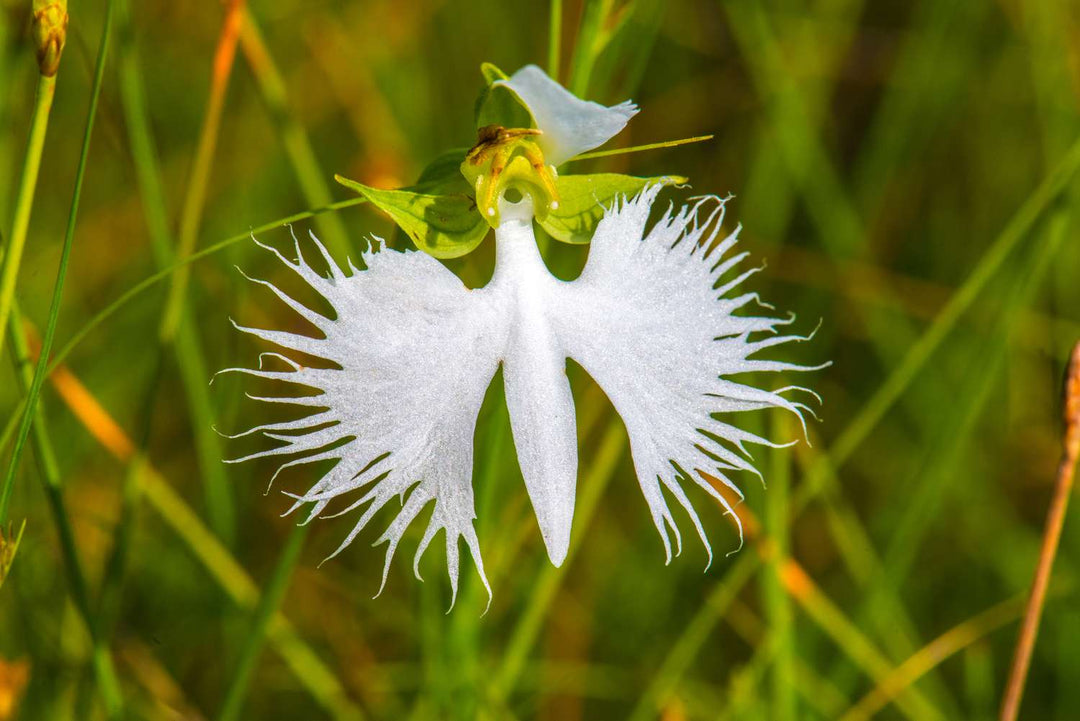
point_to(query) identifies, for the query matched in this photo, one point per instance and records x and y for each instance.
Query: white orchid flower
(653, 318)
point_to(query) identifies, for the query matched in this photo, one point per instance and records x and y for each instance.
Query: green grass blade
(554, 38)
(778, 610)
(195, 195)
(305, 164)
(919, 354)
(104, 672)
(271, 598)
(61, 274)
(587, 45)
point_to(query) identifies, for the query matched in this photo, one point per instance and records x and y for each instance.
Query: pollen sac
(505, 158)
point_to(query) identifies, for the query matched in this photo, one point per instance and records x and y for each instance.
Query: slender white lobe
(534, 371)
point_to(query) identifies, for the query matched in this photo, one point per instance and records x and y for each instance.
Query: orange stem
(1055, 519)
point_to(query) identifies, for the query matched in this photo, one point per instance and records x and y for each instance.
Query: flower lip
(570, 125)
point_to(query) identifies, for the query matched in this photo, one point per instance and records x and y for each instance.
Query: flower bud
(50, 33)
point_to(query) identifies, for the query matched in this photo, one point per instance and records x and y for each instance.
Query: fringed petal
(415, 352)
(645, 321)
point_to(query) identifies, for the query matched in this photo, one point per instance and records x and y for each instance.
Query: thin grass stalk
(11, 257)
(625, 46)
(940, 52)
(554, 57)
(640, 148)
(747, 679)
(817, 690)
(269, 602)
(851, 640)
(61, 273)
(826, 614)
(186, 345)
(806, 158)
(101, 659)
(1055, 520)
(778, 611)
(466, 626)
(307, 667)
(24, 202)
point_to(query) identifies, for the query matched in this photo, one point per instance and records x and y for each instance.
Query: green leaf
(584, 198)
(443, 174)
(497, 104)
(445, 226)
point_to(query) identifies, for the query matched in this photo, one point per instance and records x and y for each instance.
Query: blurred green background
(889, 161)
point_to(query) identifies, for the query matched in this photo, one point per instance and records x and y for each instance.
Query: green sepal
(497, 104)
(584, 198)
(444, 226)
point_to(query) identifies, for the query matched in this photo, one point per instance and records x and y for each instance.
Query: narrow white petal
(644, 320)
(570, 125)
(415, 352)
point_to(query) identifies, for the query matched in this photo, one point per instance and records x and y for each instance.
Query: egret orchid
(654, 318)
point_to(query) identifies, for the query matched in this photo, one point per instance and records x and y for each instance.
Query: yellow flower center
(505, 158)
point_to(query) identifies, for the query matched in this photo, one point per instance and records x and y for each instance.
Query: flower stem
(1055, 519)
(24, 201)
